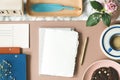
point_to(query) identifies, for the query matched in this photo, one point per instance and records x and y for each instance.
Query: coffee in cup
(115, 42)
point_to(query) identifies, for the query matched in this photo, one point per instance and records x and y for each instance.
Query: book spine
(10, 50)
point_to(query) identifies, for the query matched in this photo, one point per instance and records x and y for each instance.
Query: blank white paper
(14, 35)
(58, 50)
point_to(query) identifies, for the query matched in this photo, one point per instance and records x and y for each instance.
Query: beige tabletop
(93, 52)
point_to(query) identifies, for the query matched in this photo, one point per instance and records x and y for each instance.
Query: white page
(41, 39)
(59, 50)
(14, 35)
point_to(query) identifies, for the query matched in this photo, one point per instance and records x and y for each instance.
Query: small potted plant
(105, 10)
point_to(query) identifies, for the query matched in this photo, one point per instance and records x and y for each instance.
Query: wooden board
(93, 51)
(73, 3)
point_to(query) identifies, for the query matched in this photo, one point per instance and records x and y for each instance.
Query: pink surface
(93, 51)
(98, 64)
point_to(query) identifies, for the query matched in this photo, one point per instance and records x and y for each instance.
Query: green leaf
(93, 19)
(96, 5)
(106, 18)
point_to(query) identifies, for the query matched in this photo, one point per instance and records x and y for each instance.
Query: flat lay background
(87, 10)
(93, 52)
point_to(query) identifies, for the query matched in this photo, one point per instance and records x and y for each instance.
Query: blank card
(57, 51)
(14, 35)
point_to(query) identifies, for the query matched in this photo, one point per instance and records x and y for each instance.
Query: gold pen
(84, 50)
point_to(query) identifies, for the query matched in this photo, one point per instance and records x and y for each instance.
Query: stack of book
(12, 64)
(12, 60)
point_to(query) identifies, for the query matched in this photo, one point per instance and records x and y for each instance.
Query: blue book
(12, 67)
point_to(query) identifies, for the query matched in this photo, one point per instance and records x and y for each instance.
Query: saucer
(106, 36)
(101, 63)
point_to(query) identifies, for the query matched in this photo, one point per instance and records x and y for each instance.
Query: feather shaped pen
(43, 7)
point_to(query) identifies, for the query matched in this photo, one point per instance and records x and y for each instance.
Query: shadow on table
(78, 55)
(28, 67)
(115, 22)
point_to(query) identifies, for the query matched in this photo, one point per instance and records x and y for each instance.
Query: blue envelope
(13, 66)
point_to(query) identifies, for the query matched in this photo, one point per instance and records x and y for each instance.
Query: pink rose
(110, 7)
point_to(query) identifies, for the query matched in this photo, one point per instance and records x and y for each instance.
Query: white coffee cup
(109, 42)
